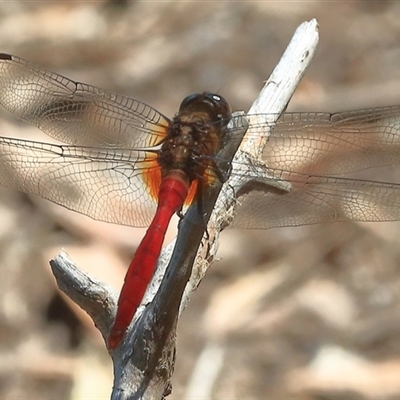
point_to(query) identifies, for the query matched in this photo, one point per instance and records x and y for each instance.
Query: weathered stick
(144, 362)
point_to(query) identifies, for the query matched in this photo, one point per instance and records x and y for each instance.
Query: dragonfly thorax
(195, 135)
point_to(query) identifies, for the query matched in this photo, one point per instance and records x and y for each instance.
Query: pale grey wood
(132, 380)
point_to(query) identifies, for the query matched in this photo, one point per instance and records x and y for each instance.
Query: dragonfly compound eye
(217, 108)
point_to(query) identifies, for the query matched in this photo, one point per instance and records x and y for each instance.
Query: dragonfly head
(216, 107)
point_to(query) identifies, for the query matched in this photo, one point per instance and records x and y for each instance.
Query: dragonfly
(121, 161)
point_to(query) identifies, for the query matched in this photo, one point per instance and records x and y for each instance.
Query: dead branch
(144, 362)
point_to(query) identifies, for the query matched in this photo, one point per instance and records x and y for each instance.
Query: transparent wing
(310, 150)
(105, 184)
(337, 143)
(76, 113)
(105, 178)
(314, 199)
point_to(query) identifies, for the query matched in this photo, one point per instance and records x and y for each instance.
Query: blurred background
(305, 313)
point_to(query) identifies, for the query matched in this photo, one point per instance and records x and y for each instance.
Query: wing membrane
(76, 113)
(104, 177)
(314, 199)
(334, 144)
(105, 184)
(312, 151)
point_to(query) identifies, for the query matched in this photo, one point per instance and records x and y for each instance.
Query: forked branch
(144, 362)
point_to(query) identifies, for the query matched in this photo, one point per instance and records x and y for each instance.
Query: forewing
(76, 113)
(334, 144)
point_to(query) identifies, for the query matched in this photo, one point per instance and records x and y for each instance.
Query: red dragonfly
(126, 163)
